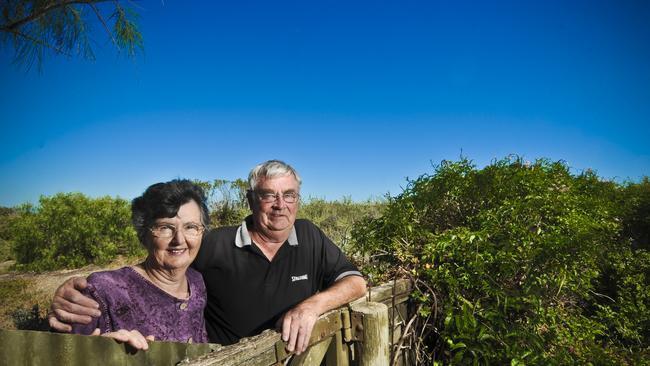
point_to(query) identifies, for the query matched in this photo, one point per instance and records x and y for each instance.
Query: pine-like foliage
(64, 27)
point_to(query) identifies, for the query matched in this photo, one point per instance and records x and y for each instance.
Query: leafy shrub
(30, 319)
(6, 214)
(624, 285)
(338, 218)
(226, 201)
(70, 230)
(635, 202)
(509, 262)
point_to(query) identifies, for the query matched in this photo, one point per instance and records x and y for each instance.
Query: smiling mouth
(176, 251)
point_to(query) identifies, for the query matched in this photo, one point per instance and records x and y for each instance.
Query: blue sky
(356, 95)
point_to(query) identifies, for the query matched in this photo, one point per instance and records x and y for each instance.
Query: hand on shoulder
(70, 306)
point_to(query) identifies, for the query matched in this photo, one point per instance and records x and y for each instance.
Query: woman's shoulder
(194, 276)
(197, 285)
(109, 287)
(113, 277)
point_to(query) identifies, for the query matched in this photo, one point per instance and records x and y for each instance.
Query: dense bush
(227, 202)
(72, 230)
(6, 214)
(338, 218)
(518, 263)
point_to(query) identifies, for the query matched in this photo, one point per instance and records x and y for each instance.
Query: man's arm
(71, 306)
(298, 322)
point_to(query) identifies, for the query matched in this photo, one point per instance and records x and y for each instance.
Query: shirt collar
(243, 238)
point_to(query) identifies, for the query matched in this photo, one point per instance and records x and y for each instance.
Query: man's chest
(247, 277)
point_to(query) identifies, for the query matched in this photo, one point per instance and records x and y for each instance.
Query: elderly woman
(160, 298)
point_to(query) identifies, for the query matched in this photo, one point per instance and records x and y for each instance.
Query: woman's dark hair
(163, 200)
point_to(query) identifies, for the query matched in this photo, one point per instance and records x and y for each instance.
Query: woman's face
(179, 251)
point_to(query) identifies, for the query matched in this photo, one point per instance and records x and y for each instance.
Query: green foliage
(232, 207)
(338, 218)
(33, 26)
(72, 230)
(6, 214)
(636, 213)
(226, 201)
(624, 286)
(229, 206)
(127, 36)
(30, 319)
(518, 254)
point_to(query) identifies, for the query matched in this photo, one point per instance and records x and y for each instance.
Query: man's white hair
(271, 169)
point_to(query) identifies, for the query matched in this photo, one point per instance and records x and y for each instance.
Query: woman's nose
(179, 236)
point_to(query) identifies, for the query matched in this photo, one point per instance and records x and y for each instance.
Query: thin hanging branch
(39, 42)
(40, 11)
(101, 19)
(60, 26)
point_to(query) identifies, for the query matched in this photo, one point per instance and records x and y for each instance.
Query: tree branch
(38, 41)
(11, 27)
(101, 19)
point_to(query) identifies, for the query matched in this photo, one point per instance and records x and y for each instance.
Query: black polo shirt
(247, 293)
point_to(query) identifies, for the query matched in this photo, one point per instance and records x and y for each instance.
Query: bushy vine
(518, 263)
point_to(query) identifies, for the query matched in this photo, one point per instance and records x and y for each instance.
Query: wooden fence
(365, 332)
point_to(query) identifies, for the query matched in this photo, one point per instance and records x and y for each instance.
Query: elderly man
(273, 270)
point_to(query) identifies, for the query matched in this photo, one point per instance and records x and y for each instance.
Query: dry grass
(25, 297)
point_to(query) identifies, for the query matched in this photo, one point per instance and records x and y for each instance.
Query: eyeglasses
(287, 197)
(166, 231)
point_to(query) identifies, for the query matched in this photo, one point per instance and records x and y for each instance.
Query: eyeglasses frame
(277, 195)
(175, 230)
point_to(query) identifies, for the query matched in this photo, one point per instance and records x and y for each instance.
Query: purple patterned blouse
(129, 301)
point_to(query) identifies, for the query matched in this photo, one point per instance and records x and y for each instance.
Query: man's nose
(279, 201)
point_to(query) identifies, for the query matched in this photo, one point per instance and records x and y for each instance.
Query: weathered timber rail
(365, 332)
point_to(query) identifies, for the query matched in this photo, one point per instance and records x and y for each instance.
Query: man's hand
(297, 325)
(132, 337)
(298, 322)
(71, 306)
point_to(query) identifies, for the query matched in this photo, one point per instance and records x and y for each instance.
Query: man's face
(277, 214)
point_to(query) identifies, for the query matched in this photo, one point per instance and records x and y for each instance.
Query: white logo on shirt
(298, 278)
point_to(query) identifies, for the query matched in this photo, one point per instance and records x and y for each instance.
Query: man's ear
(250, 198)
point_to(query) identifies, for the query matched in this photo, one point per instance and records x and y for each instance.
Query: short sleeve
(334, 262)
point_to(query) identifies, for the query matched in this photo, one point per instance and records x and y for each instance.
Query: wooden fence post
(374, 350)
